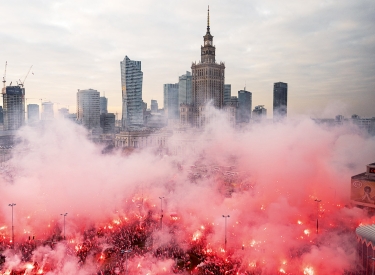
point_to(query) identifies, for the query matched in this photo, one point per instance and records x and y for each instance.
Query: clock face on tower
(207, 42)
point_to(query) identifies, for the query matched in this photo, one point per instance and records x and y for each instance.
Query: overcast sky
(324, 50)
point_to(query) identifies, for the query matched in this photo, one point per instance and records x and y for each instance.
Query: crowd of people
(114, 247)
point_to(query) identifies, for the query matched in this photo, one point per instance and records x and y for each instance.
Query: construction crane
(4, 77)
(21, 84)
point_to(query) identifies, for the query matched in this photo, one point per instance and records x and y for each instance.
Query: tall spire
(208, 19)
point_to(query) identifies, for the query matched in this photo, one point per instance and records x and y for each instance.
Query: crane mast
(23, 82)
(4, 77)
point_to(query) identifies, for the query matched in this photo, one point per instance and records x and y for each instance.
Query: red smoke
(266, 178)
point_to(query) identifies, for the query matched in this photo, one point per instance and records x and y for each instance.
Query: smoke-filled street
(270, 199)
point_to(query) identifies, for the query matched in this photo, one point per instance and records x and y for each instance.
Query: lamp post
(225, 232)
(161, 212)
(11, 205)
(317, 216)
(126, 259)
(64, 222)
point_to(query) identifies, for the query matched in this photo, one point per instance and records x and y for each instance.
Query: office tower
(244, 106)
(32, 113)
(1, 115)
(103, 105)
(14, 107)
(207, 80)
(280, 100)
(154, 106)
(227, 93)
(171, 106)
(88, 108)
(259, 113)
(131, 83)
(47, 111)
(107, 122)
(184, 89)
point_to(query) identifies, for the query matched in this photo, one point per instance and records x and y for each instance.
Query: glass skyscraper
(131, 83)
(184, 89)
(280, 100)
(88, 110)
(171, 107)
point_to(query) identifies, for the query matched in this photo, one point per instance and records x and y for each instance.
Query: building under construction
(14, 107)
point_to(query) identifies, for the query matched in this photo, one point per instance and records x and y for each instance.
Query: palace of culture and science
(207, 84)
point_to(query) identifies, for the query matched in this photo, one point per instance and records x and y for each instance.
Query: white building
(47, 111)
(131, 83)
(88, 108)
(32, 113)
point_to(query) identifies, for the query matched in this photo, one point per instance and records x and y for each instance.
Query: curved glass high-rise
(131, 84)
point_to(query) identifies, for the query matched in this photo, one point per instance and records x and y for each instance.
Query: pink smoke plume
(152, 213)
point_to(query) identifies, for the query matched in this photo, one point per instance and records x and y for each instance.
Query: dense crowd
(113, 248)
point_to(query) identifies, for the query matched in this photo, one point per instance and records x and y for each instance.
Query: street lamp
(11, 205)
(317, 216)
(126, 259)
(64, 222)
(161, 211)
(225, 230)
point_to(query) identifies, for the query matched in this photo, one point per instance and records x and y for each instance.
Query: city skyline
(324, 51)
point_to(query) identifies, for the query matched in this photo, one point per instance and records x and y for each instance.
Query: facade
(107, 122)
(363, 187)
(259, 113)
(367, 124)
(32, 113)
(131, 85)
(227, 93)
(14, 107)
(143, 138)
(154, 106)
(366, 248)
(88, 108)
(184, 89)
(1, 115)
(207, 81)
(47, 111)
(171, 106)
(244, 106)
(103, 102)
(280, 101)
(186, 114)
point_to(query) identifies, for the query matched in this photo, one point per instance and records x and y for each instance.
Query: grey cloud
(317, 47)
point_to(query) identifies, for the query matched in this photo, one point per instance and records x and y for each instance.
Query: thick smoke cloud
(265, 177)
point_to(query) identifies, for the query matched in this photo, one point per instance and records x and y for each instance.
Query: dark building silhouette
(259, 113)
(14, 107)
(244, 106)
(1, 115)
(227, 93)
(103, 104)
(107, 122)
(280, 100)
